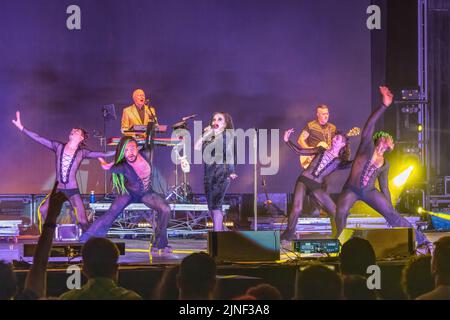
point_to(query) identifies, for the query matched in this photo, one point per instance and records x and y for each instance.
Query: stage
(140, 269)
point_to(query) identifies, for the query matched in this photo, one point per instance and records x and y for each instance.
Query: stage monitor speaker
(387, 243)
(244, 245)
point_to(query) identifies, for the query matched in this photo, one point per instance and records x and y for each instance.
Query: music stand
(109, 113)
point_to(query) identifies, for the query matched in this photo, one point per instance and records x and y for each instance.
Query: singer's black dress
(220, 158)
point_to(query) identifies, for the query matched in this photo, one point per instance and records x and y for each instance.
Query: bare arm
(105, 165)
(37, 276)
(302, 140)
(95, 154)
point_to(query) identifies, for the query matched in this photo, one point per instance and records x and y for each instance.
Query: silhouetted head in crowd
(8, 283)
(356, 255)
(244, 297)
(440, 262)
(196, 278)
(416, 277)
(355, 288)
(100, 257)
(264, 292)
(318, 282)
(167, 287)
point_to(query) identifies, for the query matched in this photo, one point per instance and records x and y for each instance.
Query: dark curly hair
(85, 135)
(228, 119)
(345, 152)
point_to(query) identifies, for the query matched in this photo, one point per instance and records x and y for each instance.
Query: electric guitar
(305, 161)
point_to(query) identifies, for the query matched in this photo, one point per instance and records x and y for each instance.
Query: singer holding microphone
(219, 155)
(138, 113)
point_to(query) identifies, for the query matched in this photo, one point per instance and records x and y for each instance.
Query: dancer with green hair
(368, 166)
(131, 175)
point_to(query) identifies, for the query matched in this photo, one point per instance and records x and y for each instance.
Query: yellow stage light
(401, 179)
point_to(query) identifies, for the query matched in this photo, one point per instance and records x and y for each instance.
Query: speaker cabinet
(387, 243)
(244, 245)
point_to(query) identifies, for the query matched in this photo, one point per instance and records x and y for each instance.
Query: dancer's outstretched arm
(369, 128)
(96, 154)
(297, 149)
(33, 135)
(105, 165)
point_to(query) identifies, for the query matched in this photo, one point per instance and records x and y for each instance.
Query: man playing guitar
(316, 133)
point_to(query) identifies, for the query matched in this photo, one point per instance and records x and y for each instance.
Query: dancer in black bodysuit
(369, 165)
(312, 179)
(69, 156)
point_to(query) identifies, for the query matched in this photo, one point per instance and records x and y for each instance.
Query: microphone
(189, 117)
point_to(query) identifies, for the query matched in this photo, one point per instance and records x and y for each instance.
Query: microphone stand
(255, 179)
(103, 140)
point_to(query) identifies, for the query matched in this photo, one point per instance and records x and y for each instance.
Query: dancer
(369, 165)
(218, 149)
(131, 173)
(311, 180)
(69, 156)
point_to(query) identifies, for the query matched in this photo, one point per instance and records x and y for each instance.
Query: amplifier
(440, 206)
(17, 207)
(244, 245)
(67, 232)
(439, 203)
(387, 243)
(312, 246)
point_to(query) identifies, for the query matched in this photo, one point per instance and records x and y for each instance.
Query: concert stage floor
(137, 251)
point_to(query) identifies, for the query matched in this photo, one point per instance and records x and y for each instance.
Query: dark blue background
(267, 63)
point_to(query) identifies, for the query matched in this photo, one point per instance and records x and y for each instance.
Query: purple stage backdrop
(267, 63)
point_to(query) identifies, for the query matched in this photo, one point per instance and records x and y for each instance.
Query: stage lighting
(419, 128)
(401, 179)
(420, 210)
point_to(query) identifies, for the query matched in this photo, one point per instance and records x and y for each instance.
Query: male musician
(138, 113)
(318, 132)
(141, 114)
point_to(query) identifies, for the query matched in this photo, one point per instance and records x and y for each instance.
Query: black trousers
(377, 201)
(323, 199)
